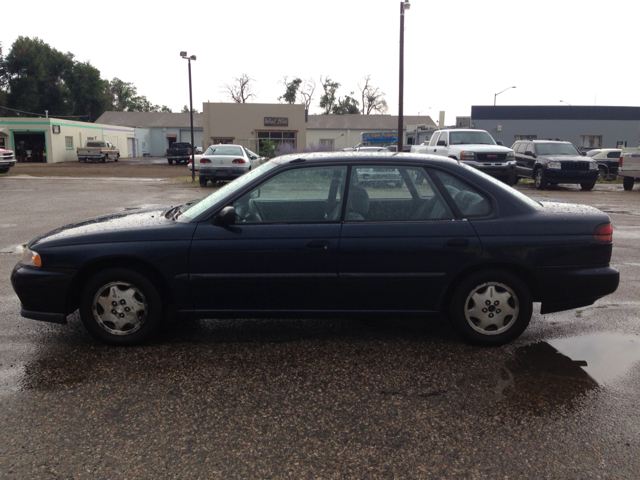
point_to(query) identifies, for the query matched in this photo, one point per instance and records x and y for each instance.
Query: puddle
(606, 357)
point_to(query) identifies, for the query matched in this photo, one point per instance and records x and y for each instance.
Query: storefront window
(277, 137)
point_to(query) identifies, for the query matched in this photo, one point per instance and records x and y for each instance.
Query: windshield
(475, 138)
(556, 149)
(189, 212)
(223, 150)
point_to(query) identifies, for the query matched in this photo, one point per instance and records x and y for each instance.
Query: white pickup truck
(98, 151)
(629, 166)
(476, 148)
(7, 160)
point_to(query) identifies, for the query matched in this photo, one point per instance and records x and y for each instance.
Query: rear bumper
(565, 288)
(227, 173)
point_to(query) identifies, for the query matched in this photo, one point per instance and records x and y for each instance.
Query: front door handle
(457, 242)
(318, 244)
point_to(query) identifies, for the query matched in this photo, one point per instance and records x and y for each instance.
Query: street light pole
(496, 94)
(193, 147)
(403, 6)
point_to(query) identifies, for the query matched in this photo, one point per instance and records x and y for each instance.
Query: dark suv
(550, 162)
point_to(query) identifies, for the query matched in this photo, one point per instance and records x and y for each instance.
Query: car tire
(627, 183)
(170, 161)
(490, 308)
(105, 159)
(587, 186)
(136, 307)
(117, 158)
(4, 170)
(539, 179)
(603, 172)
(203, 181)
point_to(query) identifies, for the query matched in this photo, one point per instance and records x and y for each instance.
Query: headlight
(593, 166)
(554, 165)
(467, 155)
(511, 156)
(31, 258)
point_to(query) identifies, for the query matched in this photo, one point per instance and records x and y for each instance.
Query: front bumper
(497, 170)
(42, 293)
(554, 175)
(565, 288)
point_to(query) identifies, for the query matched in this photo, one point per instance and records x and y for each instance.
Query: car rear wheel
(491, 307)
(627, 183)
(539, 179)
(121, 307)
(170, 161)
(105, 159)
(587, 186)
(203, 181)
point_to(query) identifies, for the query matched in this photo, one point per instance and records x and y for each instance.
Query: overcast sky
(457, 54)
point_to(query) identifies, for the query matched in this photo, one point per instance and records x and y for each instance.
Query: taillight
(239, 160)
(167, 152)
(190, 160)
(188, 151)
(620, 162)
(603, 233)
(205, 160)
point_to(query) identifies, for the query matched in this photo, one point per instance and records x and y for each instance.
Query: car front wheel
(627, 183)
(490, 308)
(539, 179)
(121, 307)
(587, 186)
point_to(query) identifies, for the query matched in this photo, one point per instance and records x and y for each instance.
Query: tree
(328, 100)
(240, 91)
(123, 95)
(35, 74)
(348, 105)
(307, 91)
(88, 93)
(166, 109)
(185, 109)
(291, 91)
(372, 98)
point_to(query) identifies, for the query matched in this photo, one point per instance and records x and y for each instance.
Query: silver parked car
(224, 162)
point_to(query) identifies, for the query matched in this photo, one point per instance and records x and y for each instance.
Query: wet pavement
(314, 398)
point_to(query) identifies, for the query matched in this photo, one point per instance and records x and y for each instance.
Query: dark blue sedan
(327, 235)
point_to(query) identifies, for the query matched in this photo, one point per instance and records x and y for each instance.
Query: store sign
(55, 128)
(276, 122)
(379, 137)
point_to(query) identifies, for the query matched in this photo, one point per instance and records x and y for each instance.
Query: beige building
(336, 132)
(248, 124)
(54, 140)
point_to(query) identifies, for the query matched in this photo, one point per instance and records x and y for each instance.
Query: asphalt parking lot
(314, 398)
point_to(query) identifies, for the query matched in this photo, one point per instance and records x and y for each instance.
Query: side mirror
(442, 143)
(529, 153)
(584, 154)
(499, 142)
(227, 216)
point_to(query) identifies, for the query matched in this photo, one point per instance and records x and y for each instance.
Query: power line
(40, 115)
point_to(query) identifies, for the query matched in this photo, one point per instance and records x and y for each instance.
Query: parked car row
(308, 237)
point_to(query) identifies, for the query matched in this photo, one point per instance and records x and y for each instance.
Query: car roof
(542, 140)
(363, 157)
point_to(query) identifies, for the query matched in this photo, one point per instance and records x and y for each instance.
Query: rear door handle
(457, 242)
(318, 244)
